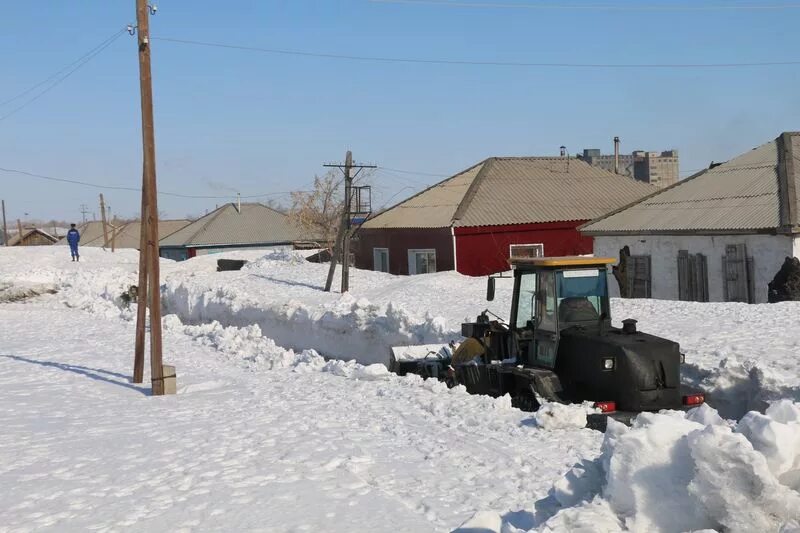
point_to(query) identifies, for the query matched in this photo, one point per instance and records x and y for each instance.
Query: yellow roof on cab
(567, 261)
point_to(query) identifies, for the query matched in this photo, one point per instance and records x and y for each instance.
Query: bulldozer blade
(413, 354)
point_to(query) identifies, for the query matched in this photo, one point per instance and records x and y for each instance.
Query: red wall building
(485, 250)
(469, 222)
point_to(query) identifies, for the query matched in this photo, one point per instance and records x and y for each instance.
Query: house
(720, 235)
(128, 233)
(474, 221)
(232, 227)
(32, 237)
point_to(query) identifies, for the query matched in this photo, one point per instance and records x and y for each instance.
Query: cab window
(582, 295)
(546, 312)
(526, 300)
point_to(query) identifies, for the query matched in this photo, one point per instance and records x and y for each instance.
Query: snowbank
(673, 471)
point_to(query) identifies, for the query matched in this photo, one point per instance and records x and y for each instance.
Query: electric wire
(428, 61)
(56, 74)
(58, 80)
(591, 7)
(138, 189)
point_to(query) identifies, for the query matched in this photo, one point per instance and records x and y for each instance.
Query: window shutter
(684, 289)
(737, 272)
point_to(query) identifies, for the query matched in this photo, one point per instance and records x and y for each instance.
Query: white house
(719, 235)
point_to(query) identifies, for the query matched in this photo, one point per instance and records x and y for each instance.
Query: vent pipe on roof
(616, 155)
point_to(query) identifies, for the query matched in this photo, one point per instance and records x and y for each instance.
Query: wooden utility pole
(114, 234)
(19, 235)
(150, 197)
(104, 220)
(141, 294)
(342, 244)
(5, 228)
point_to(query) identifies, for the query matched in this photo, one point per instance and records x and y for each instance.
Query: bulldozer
(559, 346)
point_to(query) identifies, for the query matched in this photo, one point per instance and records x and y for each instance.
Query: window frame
(375, 251)
(412, 260)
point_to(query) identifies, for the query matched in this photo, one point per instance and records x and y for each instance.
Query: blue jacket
(73, 237)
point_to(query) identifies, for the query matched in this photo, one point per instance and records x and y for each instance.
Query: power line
(58, 80)
(136, 189)
(590, 7)
(407, 60)
(56, 74)
(415, 173)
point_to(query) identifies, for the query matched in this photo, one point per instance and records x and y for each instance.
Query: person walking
(73, 238)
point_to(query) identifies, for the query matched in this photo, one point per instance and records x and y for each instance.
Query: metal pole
(150, 218)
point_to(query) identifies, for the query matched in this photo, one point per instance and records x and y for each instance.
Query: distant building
(719, 235)
(656, 168)
(127, 234)
(476, 220)
(32, 237)
(249, 226)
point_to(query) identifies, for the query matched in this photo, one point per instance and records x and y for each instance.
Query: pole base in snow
(169, 379)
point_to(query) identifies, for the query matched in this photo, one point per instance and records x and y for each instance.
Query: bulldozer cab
(552, 294)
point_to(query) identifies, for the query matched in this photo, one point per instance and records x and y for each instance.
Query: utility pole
(150, 197)
(141, 294)
(19, 235)
(342, 244)
(105, 222)
(84, 212)
(5, 228)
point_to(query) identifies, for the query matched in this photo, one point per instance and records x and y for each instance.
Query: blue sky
(232, 120)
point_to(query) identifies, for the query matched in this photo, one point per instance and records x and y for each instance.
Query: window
(526, 250)
(582, 295)
(421, 261)
(380, 259)
(526, 302)
(546, 313)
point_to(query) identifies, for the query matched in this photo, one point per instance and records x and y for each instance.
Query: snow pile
(553, 415)
(675, 471)
(22, 291)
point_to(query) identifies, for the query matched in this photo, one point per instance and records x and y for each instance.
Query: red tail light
(606, 407)
(694, 399)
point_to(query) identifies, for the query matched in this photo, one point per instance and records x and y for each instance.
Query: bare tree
(318, 211)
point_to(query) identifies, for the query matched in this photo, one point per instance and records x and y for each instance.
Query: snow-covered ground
(265, 434)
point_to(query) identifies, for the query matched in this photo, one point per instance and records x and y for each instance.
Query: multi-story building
(657, 168)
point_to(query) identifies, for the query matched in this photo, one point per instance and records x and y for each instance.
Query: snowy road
(237, 449)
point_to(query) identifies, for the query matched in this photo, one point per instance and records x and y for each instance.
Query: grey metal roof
(432, 208)
(744, 194)
(90, 231)
(130, 234)
(515, 190)
(255, 224)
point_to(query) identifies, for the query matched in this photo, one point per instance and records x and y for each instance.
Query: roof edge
(472, 190)
(426, 189)
(787, 192)
(640, 200)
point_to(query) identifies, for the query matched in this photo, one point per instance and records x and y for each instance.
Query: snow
(259, 436)
(286, 418)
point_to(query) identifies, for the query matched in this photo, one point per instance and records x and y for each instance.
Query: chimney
(239, 202)
(616, 155)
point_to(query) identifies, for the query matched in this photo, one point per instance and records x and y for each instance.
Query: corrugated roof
(524, 190)
(432, 208)
(256, 224)
(515, 190)
(130, 234)
(90, 231)
(13, 241)
(743, 194)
